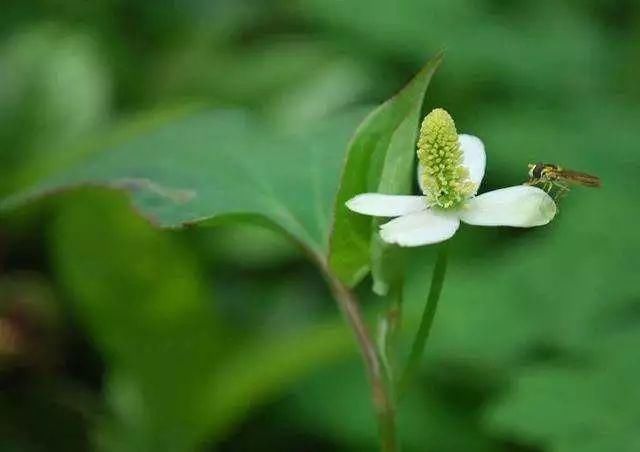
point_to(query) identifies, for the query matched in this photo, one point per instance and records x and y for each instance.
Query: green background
(117, 336)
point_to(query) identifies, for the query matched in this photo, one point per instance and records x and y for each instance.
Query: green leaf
(140, 296)
(380, 159)
(220, 163)
(176, 376)
(590, 407)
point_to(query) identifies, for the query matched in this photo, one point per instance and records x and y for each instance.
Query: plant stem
(388, 328)
(382, 401)
(420, 341)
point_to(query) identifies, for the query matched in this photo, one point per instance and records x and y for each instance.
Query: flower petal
(520, 206)
(474, 157)
(380, 205)
(420, 228)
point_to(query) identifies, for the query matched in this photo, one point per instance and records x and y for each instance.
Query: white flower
(450, 170)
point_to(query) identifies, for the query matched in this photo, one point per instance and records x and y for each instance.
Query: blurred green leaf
(578, 407)
(380, 159)
(290, 81)
(176, 376)
(220, 163)
(141, 297)
(558, 39)
(39, 67)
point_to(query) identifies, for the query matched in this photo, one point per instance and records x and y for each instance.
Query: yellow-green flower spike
(445, 180)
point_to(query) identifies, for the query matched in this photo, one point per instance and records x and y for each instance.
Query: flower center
(444, 178)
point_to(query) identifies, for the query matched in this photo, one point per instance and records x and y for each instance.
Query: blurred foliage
(290, 180)
(116, 336)
(141, 296)
(588, 404)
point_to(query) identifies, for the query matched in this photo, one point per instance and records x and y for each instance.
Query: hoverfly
(549, 176)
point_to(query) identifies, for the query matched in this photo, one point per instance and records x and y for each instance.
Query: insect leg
(561, 190)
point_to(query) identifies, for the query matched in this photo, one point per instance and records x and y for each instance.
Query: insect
(549, 176)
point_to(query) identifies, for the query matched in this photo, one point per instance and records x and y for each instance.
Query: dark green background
(115, 336)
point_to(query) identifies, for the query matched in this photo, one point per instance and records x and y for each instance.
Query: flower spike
(444, 178)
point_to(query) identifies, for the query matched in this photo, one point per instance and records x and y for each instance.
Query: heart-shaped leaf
(220, 163)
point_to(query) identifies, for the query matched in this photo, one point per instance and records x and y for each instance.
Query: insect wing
(585, 179)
